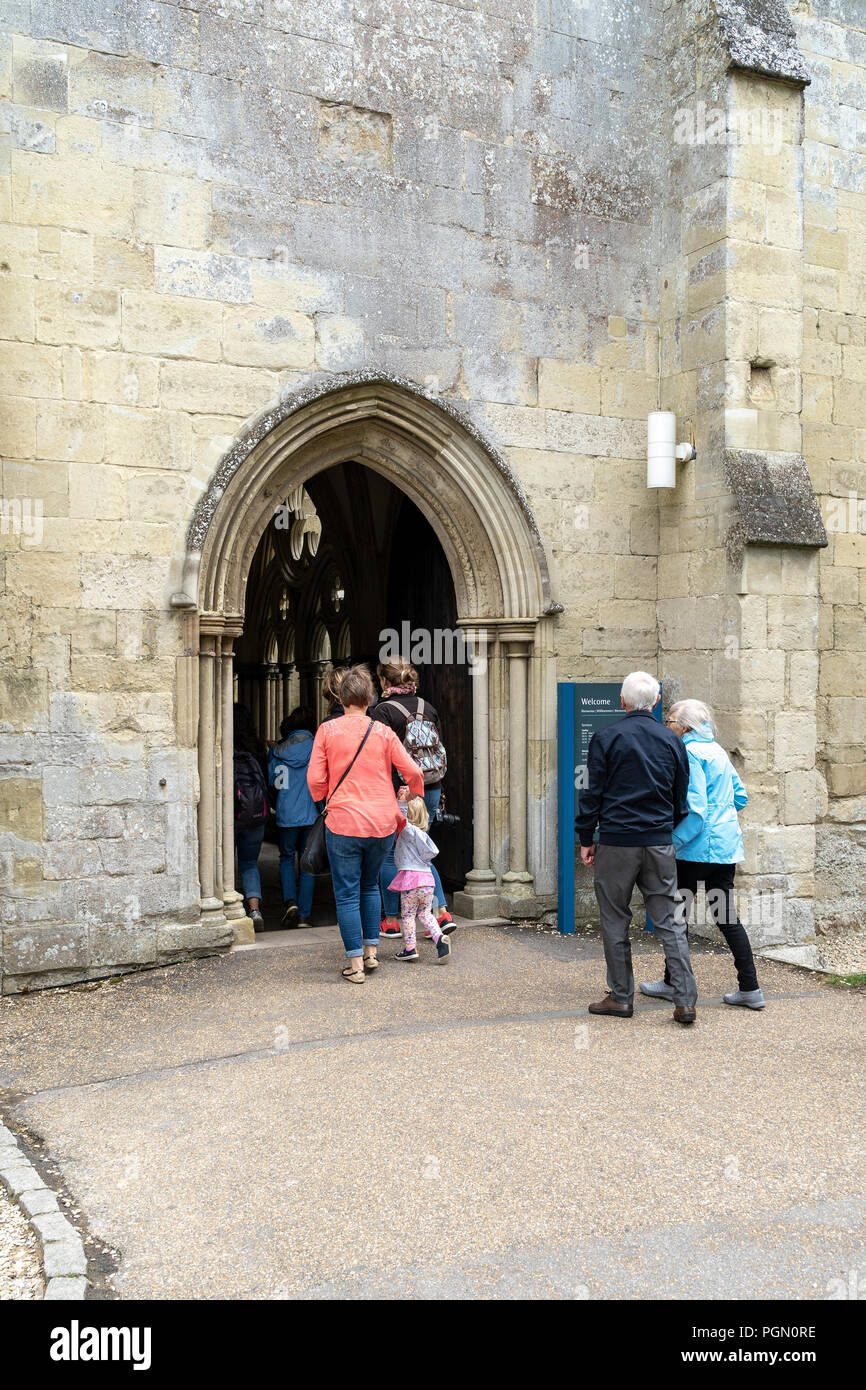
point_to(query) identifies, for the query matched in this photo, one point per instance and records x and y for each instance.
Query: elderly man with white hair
(638, 781)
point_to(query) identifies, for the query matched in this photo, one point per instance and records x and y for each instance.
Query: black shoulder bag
(314, 859)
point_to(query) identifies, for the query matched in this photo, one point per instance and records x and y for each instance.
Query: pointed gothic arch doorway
(468, 496)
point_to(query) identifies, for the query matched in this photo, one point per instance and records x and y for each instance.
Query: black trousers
(718, 880)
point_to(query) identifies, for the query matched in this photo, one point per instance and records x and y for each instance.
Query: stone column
(211, 905)
(517, 882)
(233, 901)
(480, 896)
(286, 676)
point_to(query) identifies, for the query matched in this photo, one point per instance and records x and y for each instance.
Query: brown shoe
(609, 1005)
(682, 1015)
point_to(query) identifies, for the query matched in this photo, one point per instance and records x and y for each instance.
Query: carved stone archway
(495, 553)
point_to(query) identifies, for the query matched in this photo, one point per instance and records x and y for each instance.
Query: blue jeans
(355, 863)
(248, 843)
(293, 838)
(391, 900)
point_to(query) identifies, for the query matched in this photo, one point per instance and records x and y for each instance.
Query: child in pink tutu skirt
(413, 854)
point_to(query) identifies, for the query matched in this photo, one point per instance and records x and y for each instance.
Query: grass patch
(847, 981)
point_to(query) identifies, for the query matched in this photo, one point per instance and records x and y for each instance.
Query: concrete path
(251, 1126)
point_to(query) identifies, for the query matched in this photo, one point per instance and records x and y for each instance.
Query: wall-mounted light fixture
(663, 452)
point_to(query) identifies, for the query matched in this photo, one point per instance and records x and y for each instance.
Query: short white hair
(640, 690)
(691, 714)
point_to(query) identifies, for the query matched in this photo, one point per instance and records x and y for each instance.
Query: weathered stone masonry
(216, 213)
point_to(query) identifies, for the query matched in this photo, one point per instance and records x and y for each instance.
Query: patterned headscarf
(409, 689)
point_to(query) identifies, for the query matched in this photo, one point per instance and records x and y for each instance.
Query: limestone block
(794, 741)
(170, 326)
(37, 574)
(156, 496)
(804, 798)
(117, 944)
(147, 438)
(255, 338)
(73, 859)
(202, 274)
(88, 317)
(40, 74)
(122, 265)
(635, 577)
(278, 284)
(29, 949)
(116, 378)
(803, 679)
(171, 211)
(764, 274)
(69, 431)
(215, 390)
(849, 550)
(569, 386)
(120, 581)
(82, 823)
(792, 622)
(847, 779)
(193, 936)
(31, 370)
(786, 849)
(340, 343)
(21, 807)
(17, 313)
(673, 576)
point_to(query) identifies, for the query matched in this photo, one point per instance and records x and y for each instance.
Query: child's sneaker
(443, 950)
(389, 929)
(406, 955)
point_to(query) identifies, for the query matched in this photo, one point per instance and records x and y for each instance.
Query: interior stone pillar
(480, 896)
(517, 882)
(211, 905)
(286, 676)
(244, 932)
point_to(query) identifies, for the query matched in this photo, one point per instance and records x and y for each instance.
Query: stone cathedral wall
(210, 205)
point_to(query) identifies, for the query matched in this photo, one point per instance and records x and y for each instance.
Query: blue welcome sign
(582, 708)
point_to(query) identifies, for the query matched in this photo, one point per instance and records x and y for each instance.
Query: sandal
(353, 975)
(371, 963)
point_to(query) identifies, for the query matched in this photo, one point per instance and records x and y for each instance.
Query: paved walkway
(250, 1126)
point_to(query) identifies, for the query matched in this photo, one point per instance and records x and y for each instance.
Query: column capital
(518, 634)
(221, 624)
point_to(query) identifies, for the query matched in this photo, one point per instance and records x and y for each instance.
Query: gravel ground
(843, 951)
(20, 1272)
(250, 1126)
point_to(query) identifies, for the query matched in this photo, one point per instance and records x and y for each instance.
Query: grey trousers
(654, 869)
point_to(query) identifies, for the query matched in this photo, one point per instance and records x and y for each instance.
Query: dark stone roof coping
(761, 38)
(775, 500)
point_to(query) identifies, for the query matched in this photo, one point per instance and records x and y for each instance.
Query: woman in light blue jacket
(709, 844)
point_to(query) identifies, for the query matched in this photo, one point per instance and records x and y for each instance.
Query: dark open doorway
(348, 559)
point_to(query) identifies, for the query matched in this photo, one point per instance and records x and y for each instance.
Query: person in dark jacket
(250, 751)
(296, 811)
(638, 782)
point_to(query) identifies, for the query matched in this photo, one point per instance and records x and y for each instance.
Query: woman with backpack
(296, 811)
(351, 767)
(416, 724)
(251, 808)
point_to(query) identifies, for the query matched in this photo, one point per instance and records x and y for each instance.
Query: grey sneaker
(257, 919)
(747, 998)
(657, 990)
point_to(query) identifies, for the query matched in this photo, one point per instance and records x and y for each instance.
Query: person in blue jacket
(709, 844)
(295, 810)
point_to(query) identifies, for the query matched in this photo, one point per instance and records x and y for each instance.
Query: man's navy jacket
(637, 783)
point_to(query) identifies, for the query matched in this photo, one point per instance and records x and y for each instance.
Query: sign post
(582, 708)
